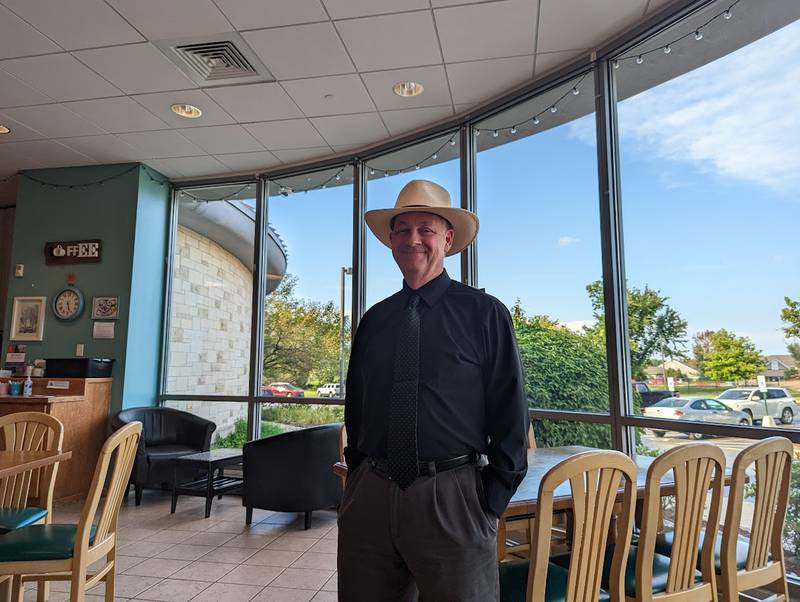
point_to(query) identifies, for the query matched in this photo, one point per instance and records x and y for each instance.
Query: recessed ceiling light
(4, 130)
(187, 111)
(408, 88)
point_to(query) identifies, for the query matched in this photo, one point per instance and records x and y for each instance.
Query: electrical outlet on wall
(79, 350)
(19, 270)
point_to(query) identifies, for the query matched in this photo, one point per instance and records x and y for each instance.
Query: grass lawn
(706, 389)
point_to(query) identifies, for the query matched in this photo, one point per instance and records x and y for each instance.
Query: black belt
(429, 468)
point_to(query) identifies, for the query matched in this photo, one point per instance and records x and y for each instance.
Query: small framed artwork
(105, 308)
(27, 319)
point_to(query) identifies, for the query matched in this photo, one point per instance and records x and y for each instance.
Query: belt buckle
(432, 468)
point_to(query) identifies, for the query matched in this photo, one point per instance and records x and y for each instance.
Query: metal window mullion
(257, 316)
(614, 287)
(166, 320)
(469, 256)
(359, 281)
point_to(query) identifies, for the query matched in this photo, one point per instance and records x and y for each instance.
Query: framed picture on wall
(105, 308)
(27, 319)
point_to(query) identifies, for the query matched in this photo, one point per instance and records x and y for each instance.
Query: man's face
(419, 243)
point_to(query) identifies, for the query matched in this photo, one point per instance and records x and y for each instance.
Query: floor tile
(291, 543)
(234, 555)
(315, 560)
(229, 592)
(204, 571)
(325, 546)
(325, 597)
(250, 540)
(252, 575)
(172, 536)
(208, 538)
(273, 558)
(184, 552)
(173, 590)
(282, 594)
(142, 549)
(157, 567)
(302, 578)
(332, 584)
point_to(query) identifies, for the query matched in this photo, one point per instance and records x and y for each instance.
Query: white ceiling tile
(485, 31)
(249, 161)
(351, 129)
(656, 5)
(49, 153)
(11, 161)
(76, 23)
(406, 120)
(301, 50)
(221, 139)
(547, 61)
(391, 41)
(54, 121)
(599, 20)
(191, 167)
(104, 149)
(14, 92)
(292, 133)
(162, 144)
(302, 154)
(344, 9)
(18, 132)
(464, 107)
(159, 105)
(481, 80)
(438, 3)
(17, 38)
(253, 14)
(136, 68)
(255, 102)
(159, 20)
(433, 79)
(345, 94)
(162, 167)
(60, 76)
(118, 114)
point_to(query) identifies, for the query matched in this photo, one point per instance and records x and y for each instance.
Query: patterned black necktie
(401, 449)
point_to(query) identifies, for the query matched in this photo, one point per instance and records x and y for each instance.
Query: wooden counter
(82, 406)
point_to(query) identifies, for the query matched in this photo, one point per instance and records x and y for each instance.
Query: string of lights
(286, 190)
(419, 164)
(697, 34)
(99, 182)
(227, 197)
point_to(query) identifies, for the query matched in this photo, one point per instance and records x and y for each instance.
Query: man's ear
(448, 238)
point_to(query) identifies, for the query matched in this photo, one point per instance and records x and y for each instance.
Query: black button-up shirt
(471, 389)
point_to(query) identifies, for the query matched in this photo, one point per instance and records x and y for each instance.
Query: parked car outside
(330, 390)
(283, 390)
(750, 400)
(696, 409)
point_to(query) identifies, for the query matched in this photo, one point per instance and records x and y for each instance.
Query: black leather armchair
(167, 434)
(292, 472)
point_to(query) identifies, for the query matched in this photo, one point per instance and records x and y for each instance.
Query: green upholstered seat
(664, 546)
(16, 518)
(39, 542)
(514, 583)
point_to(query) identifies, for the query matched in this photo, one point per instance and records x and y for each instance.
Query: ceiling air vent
(216, 60)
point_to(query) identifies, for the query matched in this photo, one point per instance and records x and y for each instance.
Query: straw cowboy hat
(426, 197)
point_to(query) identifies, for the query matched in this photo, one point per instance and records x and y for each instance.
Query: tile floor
(183, 556)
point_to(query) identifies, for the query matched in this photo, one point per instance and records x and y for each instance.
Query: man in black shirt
(434, 384)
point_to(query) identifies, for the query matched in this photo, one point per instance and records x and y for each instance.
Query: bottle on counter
(27, 386)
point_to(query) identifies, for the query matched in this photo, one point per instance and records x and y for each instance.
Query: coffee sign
(72, 251)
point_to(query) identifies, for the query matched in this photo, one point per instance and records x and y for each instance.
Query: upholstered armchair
(167, 434)
(293, 472)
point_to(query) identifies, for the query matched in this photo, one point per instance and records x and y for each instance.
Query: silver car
(695, 409)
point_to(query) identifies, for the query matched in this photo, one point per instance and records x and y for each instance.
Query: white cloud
(565, 241)
(578, 325)
(736, 117)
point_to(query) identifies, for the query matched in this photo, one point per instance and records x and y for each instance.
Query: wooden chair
(513, 536)
(55, 552)
(759, 563)
(697, 468)
(594, 478)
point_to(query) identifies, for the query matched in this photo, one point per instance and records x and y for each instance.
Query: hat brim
(465, 224)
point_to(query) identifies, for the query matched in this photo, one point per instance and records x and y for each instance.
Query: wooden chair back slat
(595, 478)
(30, 431)
(697, 469)
(764, 566)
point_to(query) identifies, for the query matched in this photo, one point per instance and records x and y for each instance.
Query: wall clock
(68, 304)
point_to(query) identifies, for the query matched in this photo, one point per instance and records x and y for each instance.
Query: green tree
(655, 329)
(791, 315)
(732, 358)
(301, 338)
(702, 346)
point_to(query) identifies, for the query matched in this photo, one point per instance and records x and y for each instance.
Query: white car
(750, 400)
(330, 390)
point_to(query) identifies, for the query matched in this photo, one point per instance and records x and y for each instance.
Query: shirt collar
(431, 291)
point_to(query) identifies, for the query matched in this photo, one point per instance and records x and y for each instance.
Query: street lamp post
(345, 271)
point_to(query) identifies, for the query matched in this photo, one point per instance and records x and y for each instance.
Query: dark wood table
(15, 462)
(209, 486)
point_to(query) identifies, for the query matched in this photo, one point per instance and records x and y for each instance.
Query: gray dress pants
(435, 536)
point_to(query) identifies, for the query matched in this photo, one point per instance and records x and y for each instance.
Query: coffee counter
(82, 405)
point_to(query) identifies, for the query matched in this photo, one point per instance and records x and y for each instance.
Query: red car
(283, 390)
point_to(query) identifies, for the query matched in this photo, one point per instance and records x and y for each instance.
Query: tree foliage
(655, 329)
(732, 357)
(791, 316)
(701, 347)
(301, 338)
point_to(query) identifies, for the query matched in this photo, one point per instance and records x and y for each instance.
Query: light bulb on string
(553, 109)
(477, 132)
(535, 121)
(615, 64)
(667, 49)
(416, 166)
(513, 129)
(338, 177)
(698, 35)
(575, 91)
(385, 174)
(495, 134)
(453, 142)
(371, 171)
(727, 14)
(434, 156)
(639, 60)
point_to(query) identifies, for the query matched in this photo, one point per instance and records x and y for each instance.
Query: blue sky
(711, 204)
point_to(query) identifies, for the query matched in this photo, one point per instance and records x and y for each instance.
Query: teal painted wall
(111, 212)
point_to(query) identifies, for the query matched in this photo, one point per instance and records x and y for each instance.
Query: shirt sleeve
(507, 417)
(354, 398)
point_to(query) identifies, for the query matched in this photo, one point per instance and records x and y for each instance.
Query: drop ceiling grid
(87, 40)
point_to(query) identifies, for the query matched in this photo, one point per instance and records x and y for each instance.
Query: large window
(539, 246)
(709, 161)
